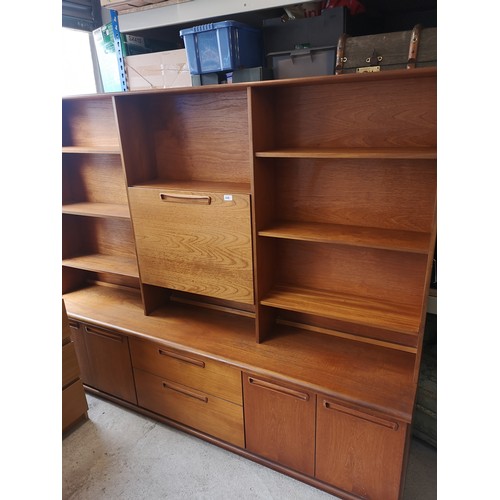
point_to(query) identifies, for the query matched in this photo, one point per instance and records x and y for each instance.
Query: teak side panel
(196, 242)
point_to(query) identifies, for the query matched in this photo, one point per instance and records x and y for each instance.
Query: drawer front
(195, 242)
(200, 373)
(74, 404)
(193, 408)
(70, 371)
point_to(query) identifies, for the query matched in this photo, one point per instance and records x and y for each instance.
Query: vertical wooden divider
(137, 162)
(262, 130)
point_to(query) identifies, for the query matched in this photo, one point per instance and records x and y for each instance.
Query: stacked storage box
(221, 47)
(304, 47)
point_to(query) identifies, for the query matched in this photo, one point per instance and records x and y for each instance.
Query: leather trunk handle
(413, 49)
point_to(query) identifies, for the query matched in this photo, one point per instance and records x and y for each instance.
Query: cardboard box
(133, 5)
(111, 63)
(158, 70)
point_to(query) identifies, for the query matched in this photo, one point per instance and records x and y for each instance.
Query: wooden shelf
(387, 239)
(348, 308)
(352, 153)
(110, 150)
(97, 210)
(125, 266)
(208, 186)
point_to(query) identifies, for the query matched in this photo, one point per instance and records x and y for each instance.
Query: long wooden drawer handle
(278, 388)
(73, 324)
(186, 198)
(185, 392)
(180, 357)
(355, 413)
(103, 333)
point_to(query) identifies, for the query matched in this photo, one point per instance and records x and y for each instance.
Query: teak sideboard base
(250, 263)
(324, 410)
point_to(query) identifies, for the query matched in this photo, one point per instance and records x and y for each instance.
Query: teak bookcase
(251, 262)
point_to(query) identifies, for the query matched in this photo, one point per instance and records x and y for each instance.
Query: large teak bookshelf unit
(258, 253)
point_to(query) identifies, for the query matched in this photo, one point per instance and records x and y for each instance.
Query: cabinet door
(358, 452)
(198, 242)
(109, 362)
(279, 422)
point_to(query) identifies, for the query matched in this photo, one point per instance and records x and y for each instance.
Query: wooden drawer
(70, 371)
(198, 242)
(74, 404)
(193, 408)
(188, 369)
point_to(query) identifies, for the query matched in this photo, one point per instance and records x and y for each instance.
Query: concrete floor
(118, 454)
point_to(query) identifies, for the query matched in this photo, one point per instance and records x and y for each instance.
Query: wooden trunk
(384, 51)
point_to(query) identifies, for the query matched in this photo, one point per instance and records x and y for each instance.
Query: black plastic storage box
(307, 47)
(316, 31)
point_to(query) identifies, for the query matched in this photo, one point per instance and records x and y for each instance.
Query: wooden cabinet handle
(73, 324)
(185, 392)
(180, 357)
(103, 333)
(278, 388)
(364, 416)
(186, 198)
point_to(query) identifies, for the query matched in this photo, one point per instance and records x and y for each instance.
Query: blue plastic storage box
(223, 46)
